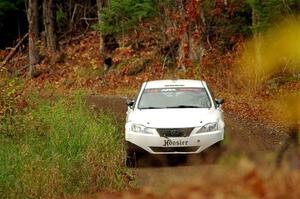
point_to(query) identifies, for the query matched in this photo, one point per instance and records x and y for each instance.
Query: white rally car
(173, 117)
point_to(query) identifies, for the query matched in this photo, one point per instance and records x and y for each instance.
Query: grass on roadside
(58, 150)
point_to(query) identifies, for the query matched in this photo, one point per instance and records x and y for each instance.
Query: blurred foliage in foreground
(273, 53)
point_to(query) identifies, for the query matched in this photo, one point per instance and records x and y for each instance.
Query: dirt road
(255, 141)
(243, 138)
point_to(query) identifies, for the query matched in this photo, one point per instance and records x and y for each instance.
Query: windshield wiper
(151, 107)
(184, 106)
(179, 106)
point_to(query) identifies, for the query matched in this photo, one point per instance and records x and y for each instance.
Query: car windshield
(156, 98)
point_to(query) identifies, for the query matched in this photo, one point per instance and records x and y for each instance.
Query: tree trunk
(190, 48)
(183, 49)
(205, 27)
(100, 5)
(50, 24)
(32, 34)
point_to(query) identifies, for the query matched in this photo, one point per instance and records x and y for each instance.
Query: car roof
(175, 83)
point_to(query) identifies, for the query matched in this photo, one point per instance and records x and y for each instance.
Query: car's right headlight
(208, 127)
(141, 129)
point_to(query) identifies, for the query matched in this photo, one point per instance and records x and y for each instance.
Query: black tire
(131, 159)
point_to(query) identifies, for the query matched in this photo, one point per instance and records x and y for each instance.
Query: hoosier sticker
(175, 143)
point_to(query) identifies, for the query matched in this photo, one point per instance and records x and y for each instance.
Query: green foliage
(61, 19)
(271, 11)
(224, 26)
(5, 6)
(64, 150)
(123, 15)
(8, 5)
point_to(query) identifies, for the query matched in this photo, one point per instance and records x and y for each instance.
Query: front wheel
(130, 157)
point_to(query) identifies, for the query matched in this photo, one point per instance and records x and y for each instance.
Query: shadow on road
(208, 157)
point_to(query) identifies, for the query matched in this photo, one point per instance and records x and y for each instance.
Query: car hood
(173, 118)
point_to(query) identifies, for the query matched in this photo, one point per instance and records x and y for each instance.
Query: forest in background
(110, 46)
(54, 53)
(186, 31)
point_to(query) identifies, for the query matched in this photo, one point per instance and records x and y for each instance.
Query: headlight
(141, 129)
(209, 127)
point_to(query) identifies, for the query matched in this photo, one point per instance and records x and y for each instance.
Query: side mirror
(130, 103)
(219, 101)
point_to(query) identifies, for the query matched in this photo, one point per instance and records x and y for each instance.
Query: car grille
(175, 132)
(175, 149)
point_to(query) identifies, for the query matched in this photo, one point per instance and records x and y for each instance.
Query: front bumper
(155, 144)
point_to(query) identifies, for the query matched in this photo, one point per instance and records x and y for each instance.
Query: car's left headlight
(208, 127)
(141, 129)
